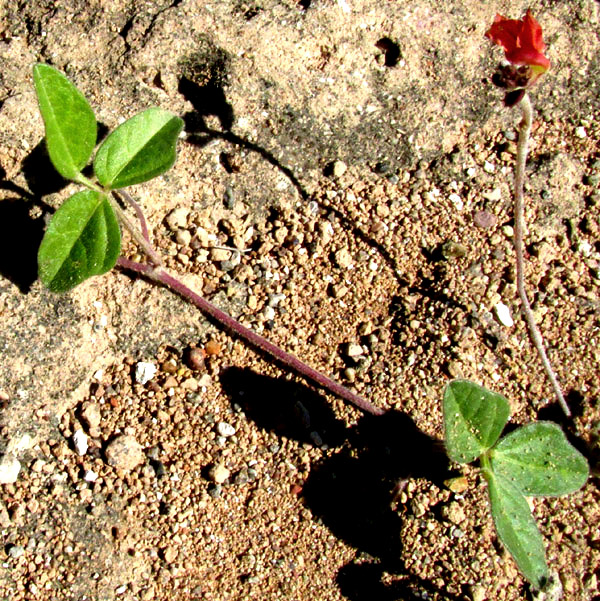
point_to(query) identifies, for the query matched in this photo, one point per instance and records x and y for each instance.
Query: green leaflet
(474, 418)
(517, 529)
(69, 120)
(82, 240)
(539, 460)
(138, 150)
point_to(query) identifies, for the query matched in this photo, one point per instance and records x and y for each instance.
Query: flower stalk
(519, 218)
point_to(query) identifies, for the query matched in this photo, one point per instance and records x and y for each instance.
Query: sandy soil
(356, 154)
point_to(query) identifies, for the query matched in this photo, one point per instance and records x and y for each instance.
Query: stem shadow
(351, 490)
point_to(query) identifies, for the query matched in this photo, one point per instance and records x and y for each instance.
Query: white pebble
(80, 442)
(226, 430)
(90, 476)
(9, 469)
(339, 168)
(354, 350)
(489, 167)
(503, 315)
(456, 200)
(144, 372)
(580, 132)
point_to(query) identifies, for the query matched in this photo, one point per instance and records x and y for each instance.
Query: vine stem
(158, 274)
(534, 332)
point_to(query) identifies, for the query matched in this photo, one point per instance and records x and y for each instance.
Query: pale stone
(125, 453)
(9, 469)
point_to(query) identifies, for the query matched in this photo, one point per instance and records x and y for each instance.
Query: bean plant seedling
(83, 238)
(535, 460)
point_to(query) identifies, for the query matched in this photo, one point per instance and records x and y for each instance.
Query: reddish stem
(289, 360)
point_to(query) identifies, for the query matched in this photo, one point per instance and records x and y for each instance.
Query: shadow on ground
(22, 221)
(351, 491)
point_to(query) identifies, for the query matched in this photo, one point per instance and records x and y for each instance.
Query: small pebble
(503, 315)
(226, 430)
(218, 473)
(353, 350)
(125, 453)
(580, 132)
(9, 469)
(194, 358)
(177, 218)
(457, 485)
(91, 415)
(478, 593)
(80, 442)
(16, 551)
(339, 168)
(183, 237)
(170, 554)
(220, 254)
(90, 476)
(212, 347)
(454, 250)
(144, 372)
(457, 201)
(343, 258)
(484, 219)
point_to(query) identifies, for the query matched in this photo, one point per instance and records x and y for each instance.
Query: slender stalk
(138, 211)
(536, 337)
(142, 239)
(159, 275)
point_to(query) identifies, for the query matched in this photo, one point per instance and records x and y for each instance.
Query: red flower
(522, 42)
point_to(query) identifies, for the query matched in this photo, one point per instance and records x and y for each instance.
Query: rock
(170, 554)
(80, 442)
(457, 485)
(212, 347)
(90, 476)
(144, 372)
(183, 237)
(177, 218)
(125, 453)
(91, 415)
(478, 593)
(194, 358)
(454, 513)
(343, 258)
(9, 469)
(224, 429)
(503, 315)
(220, 254)
(16, 551)
(353, 350)
(339, 168)
(218, 473)
(484, 219)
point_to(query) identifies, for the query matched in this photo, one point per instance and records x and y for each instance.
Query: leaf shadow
(22, 227)
(351, 490)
